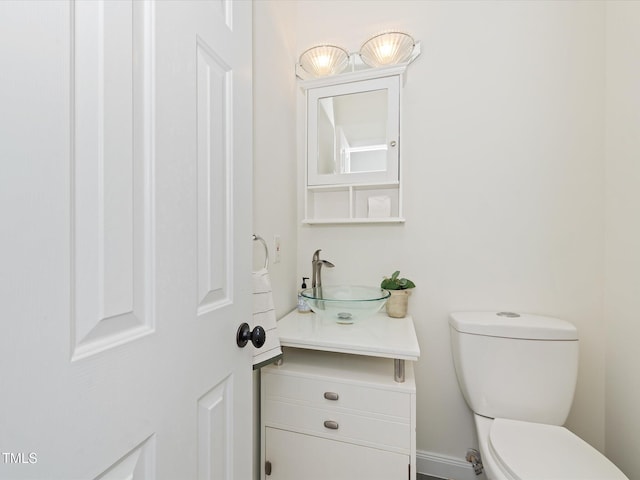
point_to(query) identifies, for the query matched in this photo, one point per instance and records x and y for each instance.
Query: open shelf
(351, 203)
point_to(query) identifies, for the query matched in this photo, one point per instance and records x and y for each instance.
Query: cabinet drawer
(338, 424)
(329, 394)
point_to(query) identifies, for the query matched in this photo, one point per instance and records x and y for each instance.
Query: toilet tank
(516, 366)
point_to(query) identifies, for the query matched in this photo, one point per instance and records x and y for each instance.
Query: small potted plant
(400, 289)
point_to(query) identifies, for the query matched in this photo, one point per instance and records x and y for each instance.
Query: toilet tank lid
(508, 325)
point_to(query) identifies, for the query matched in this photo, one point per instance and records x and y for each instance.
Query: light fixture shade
(387, 48)
(324, 60)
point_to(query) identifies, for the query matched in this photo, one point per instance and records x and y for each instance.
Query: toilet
(518, 373)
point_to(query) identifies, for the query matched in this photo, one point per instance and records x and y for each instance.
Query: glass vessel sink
(345, 303)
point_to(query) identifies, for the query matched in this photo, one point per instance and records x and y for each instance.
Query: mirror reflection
(352, 133)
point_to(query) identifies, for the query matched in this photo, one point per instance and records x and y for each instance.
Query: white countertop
(377, 336)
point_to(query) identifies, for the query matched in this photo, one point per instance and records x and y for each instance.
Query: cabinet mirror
(353, 132)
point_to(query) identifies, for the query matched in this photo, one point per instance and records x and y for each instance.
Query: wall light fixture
(381, 50)
(324, 60)
(387, 48)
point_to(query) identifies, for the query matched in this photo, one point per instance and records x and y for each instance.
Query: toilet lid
(533, 451)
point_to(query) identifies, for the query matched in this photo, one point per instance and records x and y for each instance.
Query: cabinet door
(353, 130)
(295, 456)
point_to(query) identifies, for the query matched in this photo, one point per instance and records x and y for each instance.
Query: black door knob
(258, 336)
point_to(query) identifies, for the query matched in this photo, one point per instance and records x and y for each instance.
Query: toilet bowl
(517, 373)
(515, 450)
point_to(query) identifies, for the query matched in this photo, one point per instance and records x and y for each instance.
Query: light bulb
(387, 48)
(324, 60)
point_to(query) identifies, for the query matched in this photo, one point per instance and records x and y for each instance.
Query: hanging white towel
(264, 314)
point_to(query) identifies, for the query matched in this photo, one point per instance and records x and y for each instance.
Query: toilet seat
(534, 451)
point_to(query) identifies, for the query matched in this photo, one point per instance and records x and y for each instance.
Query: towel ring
(266, 249)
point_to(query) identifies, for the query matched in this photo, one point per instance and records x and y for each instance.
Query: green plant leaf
(395, 283)
(409, 283)
(388, 284)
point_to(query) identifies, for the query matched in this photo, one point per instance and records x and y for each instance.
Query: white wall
(623, 236)
(275, 161)
(503, 148)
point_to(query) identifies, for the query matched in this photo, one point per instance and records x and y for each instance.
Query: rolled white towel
(264, 314)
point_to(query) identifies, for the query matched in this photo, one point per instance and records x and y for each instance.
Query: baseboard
(442, 466)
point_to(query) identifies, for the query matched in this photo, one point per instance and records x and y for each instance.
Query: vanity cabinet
(337, 416)
(337, 407)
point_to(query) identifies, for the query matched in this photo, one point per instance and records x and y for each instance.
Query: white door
(125, 242)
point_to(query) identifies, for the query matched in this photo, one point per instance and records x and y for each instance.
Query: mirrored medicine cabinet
(352, 166)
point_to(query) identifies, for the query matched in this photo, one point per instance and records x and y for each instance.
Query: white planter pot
(398, 302)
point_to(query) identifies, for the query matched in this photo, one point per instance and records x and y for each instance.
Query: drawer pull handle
(331, 395)
(331, 424)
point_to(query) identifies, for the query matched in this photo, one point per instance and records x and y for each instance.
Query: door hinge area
(267, 467)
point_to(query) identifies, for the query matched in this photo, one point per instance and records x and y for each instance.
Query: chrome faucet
(316, 268)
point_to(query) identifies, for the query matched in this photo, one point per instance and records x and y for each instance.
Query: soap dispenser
(303, 306)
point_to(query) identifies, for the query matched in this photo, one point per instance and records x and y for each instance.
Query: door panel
(214, 434)
(111, 190)
(215, 133)
(125, 196)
